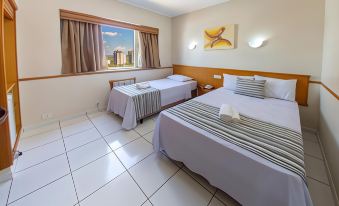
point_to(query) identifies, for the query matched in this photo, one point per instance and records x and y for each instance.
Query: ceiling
(173, 8)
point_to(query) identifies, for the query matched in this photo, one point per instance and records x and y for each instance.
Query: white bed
(247, 177)
(171, 91)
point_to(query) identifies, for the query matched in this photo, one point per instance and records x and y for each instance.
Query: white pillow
(279, 88)
(230, 81)
(179, 78)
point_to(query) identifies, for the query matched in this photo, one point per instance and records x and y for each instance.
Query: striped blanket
(146, 101)
(277, 144)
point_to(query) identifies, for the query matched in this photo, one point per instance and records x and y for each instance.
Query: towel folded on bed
(228, 113)
(143, 85)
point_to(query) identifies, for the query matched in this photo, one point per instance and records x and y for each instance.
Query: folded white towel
(143, 85)
(228, 113)
(235, 116)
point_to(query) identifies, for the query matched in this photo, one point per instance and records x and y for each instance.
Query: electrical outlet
(216, 76)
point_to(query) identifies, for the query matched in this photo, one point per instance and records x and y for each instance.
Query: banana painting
(219, 37)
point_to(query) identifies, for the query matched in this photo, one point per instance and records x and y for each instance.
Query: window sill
(119, 69)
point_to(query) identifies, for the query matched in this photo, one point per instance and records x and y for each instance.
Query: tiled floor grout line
(124, 144)
(310, 155)
(318, 181)
(212, 197)
(126, 170)
(172, 160)
(68, 151)
(9, 192)
(39, 163)
(147, 140)
(124, 165)
(197, 180)
(83, 131)
(40, 133)
(164, 183)
(23, 151)
(39, 188)
(91, 162)
(101, 187)
(69, 166)
(194, 180)
(63, 154)
(58, 128)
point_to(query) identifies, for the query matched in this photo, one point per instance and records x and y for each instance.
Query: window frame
(135, 51)
(76, 16)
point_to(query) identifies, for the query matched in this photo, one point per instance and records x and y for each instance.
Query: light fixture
(256, 43)
(192, 45)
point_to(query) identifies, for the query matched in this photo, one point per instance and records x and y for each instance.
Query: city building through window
(120, 47)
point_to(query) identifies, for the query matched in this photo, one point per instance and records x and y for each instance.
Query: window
(120, 47)
(105, 43)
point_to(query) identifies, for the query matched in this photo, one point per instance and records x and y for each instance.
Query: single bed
(247, 177)
(171, 92)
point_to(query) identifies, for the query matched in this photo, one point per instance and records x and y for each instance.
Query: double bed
(171, 93)
(246, 176)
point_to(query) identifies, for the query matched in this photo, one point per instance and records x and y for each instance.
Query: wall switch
(216, 76)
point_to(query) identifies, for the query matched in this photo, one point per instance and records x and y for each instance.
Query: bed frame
(205, 75)
(129, 81)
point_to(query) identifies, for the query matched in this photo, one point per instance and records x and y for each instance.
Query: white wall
(329, 105)
(294, 33)
(73, 95)
(39, 54)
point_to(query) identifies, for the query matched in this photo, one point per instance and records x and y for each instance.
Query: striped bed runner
(146, 101)
(277, 144)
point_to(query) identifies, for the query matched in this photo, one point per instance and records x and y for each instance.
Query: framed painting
(221, 37)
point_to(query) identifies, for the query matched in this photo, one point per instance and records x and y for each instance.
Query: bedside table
(202, 90)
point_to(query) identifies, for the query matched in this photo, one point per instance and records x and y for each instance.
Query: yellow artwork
(219, 37)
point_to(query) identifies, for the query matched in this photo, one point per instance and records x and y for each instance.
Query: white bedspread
(170, 91)
(250, 179)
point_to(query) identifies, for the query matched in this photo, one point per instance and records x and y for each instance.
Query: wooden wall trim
(327, 88)
(204, 75)
(71, 15)
(87, 73)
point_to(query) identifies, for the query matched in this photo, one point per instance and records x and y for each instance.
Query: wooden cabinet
(202, 90)
(8, 81)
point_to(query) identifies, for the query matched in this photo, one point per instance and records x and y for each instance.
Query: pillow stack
(279, 88)
(249, 87)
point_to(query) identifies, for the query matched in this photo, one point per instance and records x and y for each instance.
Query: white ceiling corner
(173, 8)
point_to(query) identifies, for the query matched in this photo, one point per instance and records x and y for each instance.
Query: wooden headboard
(204, 75)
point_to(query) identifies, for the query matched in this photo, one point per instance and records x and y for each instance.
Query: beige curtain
(82, 47)
(149, 50)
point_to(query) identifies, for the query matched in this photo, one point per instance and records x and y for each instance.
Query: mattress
(170, 92)
(247, 177)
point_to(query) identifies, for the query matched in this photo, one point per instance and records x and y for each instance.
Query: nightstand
(202, 90)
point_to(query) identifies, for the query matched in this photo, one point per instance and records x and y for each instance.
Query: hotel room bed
(171, 91)
(246, 176)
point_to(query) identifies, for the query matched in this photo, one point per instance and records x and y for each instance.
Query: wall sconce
(256, 43)
(192, 45)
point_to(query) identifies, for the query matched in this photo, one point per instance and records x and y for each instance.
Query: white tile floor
(89, 160)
